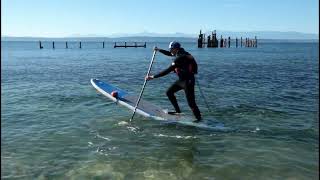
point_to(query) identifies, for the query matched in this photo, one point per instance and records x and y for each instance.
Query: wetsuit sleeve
(165, 52)
(164, 72)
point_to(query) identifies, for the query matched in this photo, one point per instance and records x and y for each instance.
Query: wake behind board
(147, 109)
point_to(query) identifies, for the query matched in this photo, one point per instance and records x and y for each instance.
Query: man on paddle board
(185, 66)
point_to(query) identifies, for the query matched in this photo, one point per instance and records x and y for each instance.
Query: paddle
(203, 97)
(144, 85)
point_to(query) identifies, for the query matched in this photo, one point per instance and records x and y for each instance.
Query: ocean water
(54, 124)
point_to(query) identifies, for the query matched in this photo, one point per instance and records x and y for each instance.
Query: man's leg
(189, 90)
(170, 93)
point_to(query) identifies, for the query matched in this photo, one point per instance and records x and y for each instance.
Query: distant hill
(270, 35)
(10, 38)
(100, 39)
(149, 37)
(233, 34)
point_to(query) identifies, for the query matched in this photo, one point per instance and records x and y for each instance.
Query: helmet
(174, 44)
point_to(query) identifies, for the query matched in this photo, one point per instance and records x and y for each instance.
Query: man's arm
(167, 53)
(162, 51)
(164, 72)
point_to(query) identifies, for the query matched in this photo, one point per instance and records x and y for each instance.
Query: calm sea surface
(54, 124)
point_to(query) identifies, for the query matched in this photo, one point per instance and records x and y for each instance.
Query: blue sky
(61, 18)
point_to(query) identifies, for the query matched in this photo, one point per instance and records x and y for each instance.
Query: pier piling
(213, 42)
(40, 46)
(236, 42)
(255, 42)
(221, 42)
(200, 40)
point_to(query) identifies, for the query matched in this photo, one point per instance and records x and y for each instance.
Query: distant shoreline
(144, 39)
(146, 36)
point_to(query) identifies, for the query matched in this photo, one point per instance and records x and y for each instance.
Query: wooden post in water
(125, 44)
(256, 41)
(66, 45)
(145, 44)
(229, 39)
(40, 46)
(214, 41)
(115, 45)
(236, 42)
(80, 45)
(241, 42)
(221, 42)
(52, 44)
(209, 41)
(200, 40)
(103, 44)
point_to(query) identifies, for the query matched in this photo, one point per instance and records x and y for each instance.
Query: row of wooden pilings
(213, 42)
(125, 45)
(53, 45)
(115, 45)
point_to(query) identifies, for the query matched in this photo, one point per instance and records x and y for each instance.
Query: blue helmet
(174, 44)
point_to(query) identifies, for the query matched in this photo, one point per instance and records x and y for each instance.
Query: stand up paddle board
(147, 109)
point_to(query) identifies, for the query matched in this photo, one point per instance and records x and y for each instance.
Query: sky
(63, 18)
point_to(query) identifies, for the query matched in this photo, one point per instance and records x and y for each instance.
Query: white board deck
(148, 109)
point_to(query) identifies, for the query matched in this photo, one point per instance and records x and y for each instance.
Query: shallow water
(54, 125)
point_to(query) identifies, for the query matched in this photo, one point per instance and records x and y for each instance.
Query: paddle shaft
(144, 85)
(203, 97)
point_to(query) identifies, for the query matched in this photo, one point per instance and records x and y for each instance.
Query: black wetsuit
(185, 66)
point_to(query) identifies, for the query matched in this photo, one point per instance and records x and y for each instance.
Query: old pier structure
(103, 45)
(125, 45)
(213, 42)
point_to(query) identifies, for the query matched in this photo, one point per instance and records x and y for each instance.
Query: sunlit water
(54, 124)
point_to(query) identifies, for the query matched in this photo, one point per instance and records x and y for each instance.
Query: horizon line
(153, 34)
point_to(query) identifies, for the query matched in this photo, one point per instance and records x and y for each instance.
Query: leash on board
(202, 95)
(144, 85)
